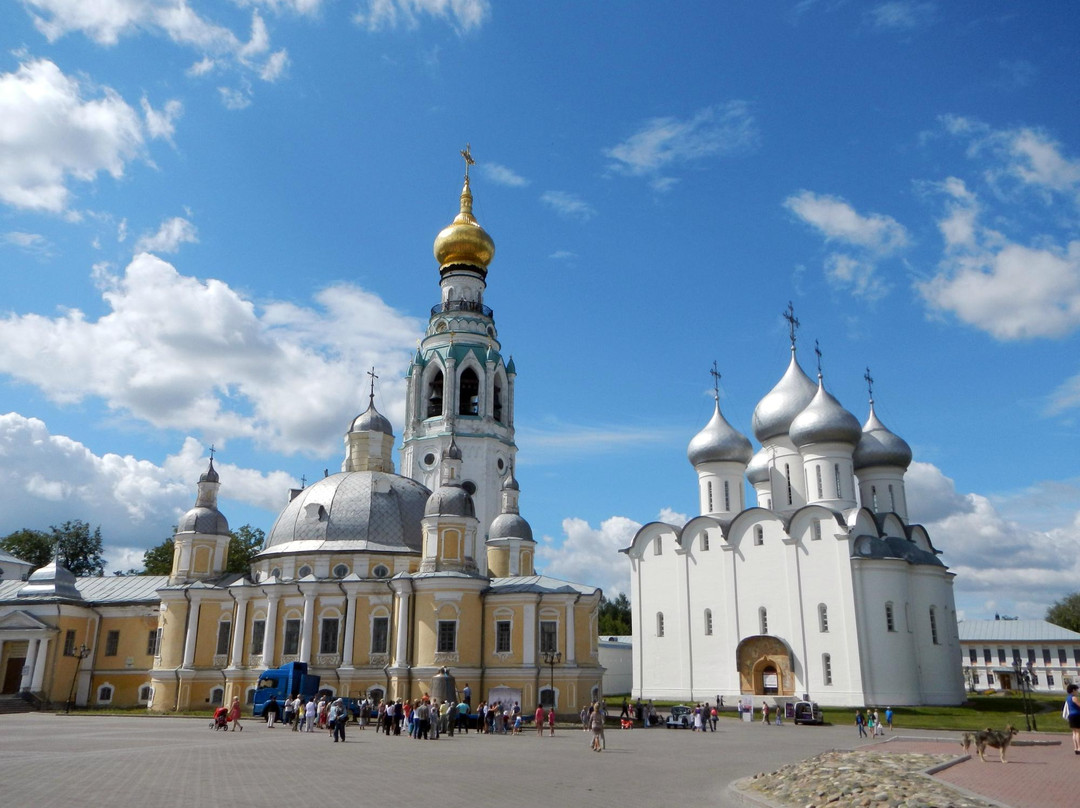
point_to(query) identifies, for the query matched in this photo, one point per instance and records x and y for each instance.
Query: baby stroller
(221, 719)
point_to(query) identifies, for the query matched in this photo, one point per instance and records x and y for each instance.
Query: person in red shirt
(539, 719)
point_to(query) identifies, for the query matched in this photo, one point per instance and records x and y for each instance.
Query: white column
(570, 635)
(239, 629)
(350, 631)
(38, 679)
(528, 635)
(192, 633)
(309, 620)
(271, 632)
(401, 644)
(28, 664)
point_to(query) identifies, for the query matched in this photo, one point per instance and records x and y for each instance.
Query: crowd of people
(871, 724)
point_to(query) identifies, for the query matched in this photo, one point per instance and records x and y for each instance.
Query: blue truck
(283, 683)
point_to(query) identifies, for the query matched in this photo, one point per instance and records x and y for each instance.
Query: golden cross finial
(469, 161)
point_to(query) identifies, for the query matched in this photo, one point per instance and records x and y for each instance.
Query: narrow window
(826, 666)
(989, 678)
(787, 478)
(933, 626)
(1031, 656)
(502, 637)
(1061, 656)
(727, 495)
(69, 642)
(258, 634)
(759, 535)
(658, 548)
(447, 636)
(1046, 656)
(820, 490)
(435, 396)
(153, 639)
(986, 656)
(708, 622)
(469, 393)
(892, 499)
(763, 620)
(1001, 656)
(708, 492)
(890, 618)
(815, 530)
(836, 472)
(497, 407)
(291, 644)
(1016, 656)
(705, 540)
(873, 497)
(549, 636)
(112, 643)
(659, 624)
(1049, 680)
(975, 677)
(328, 635)
(224, 629)
(973, 655)
(380, 631)
(823, 618)
(104, 694)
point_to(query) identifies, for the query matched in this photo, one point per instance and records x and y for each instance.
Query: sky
(216, 216)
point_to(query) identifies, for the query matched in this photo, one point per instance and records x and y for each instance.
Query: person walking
(271, 711)
(551, 721)
(765, 713)
(888, 718)
(596, 724)
(860, 722)
(234, 715)
(538, 717)
(1071, 713)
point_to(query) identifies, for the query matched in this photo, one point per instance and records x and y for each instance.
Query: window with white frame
(146, 694)
(224, 630)
(549, 636)
(328, 635)
(659, 624)
(763, 620)
(380, 634)
(105, 694)
(153, 641)
(823, 618)
(708, 622)
(217, 695)
(340, 571)
(502, 636)
(890, 618)
(933, 626)
(291, 644)
(258, 634)
(826, 668)
(447, 640)
(303, 572)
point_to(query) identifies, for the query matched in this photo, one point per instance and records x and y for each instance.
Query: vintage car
(682, 717)
(807, 712)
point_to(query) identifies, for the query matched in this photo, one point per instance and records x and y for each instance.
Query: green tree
(1065, 612)
(80, 547)
(158, 559)
(246, 541)
(615, 615)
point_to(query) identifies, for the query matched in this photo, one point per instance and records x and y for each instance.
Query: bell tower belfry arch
(458, 382)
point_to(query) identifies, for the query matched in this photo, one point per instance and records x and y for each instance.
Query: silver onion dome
(510, 526)
(758, 469)
(878, 446)
(371, 420)
(824, 421)
(719, 441)
(774, 413)
(210, 475)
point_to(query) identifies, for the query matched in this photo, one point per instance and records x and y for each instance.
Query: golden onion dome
(464, 241)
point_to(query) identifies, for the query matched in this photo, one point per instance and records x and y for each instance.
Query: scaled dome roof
(450, 500)
(360, 510)
(201, 519)
(510, 526)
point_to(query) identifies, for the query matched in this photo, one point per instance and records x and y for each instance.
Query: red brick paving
(1034, 777)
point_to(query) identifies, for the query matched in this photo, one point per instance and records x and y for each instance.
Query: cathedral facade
(822, 590)
(375, 580)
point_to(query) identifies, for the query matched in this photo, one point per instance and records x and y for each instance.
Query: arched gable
(800, 522)
(742, 525)
(692, 531)
(863, 522)
(647, 534)
(891, 525)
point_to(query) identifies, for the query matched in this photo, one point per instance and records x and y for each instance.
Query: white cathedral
(823, 590)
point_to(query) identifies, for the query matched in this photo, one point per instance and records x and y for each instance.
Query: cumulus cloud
(51, 133)
(867, 239)
(169, 236)
(501, 175)
(31, 243)
(463, 15)
(665, 144)
(46, 479)
(590, 555)
(902, 15)
(568, 205)
(179, 353)
(161, 123)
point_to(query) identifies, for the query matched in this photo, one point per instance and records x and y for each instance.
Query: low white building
(12, 568)
(821, 590)
(991, 650)
(616, 656)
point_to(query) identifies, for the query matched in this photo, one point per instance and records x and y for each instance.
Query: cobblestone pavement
(49, 761)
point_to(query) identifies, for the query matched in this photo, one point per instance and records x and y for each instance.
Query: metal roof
(114, 589)
(540, 584)
(1014, 631)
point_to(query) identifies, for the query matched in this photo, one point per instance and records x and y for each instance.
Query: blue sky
(215, 216)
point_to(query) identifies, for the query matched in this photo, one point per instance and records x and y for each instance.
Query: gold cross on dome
(469, 161)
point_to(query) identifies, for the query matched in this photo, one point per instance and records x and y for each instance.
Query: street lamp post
(1023, 677)
(550, 659)
(79, 655)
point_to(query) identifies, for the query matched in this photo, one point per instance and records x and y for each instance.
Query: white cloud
(662, 144)
(235, 98)
(501, 175)
(563, 255)
(568, 205)
(305, 7)
(553, 438)
(47, 479)
(31, 243)
(590, 555)
(178, 353)
(50, 134)
(162, 124)
(169, 236)
(202, 67)
(275, 66)
(871, 237)
(463, 15)
(902, 15)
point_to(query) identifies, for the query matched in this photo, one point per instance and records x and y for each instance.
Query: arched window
(708, 622)
(890, 618)
(826, 668)
(873, 497)
(708, 488)
(146, 694)
(815, 530)
(727, 495)
(659, 624)
(468, 393)
(933, 625)
(787, 479)
(658, 547)
(763, 620)
(820, 490)
(217, 695)
(105, 694)
(704, 540)
(759, 535)
(823, 618)
(249, 697)
(435, 396)
(836, 472)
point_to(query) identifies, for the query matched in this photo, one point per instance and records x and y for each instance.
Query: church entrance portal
(764, 664)
(13, 674)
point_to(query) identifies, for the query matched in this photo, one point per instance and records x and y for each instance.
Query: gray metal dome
(450, 500)
(824, 421)
(774, 413)
(880, 447)
(509, 526)
(758, 470)
(201, 519)
(358, 509)
(719, 441)
(210, 475)
(371, 420)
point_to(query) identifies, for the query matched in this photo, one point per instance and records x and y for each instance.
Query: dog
(966, 741)
(998, 739)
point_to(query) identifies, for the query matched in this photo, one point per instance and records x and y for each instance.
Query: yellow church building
(376, 580)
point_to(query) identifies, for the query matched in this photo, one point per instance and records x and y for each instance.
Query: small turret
(201, 541)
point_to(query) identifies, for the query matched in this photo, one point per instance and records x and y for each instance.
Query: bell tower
(458, 382)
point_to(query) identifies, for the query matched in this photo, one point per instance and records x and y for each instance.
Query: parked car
(807, 712)
(682, 717)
